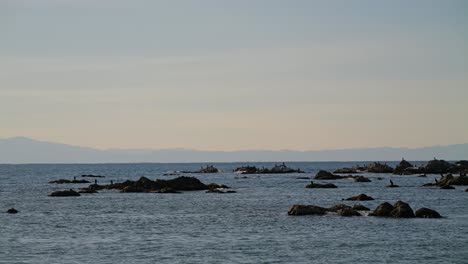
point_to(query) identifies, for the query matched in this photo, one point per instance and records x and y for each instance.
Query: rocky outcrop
(338, 207)
(402, 210)
(348, 212)
(326, 175)
(361, 179)
(318, 185)
(277, 169)
(346, 171)
(427, 213)
(88, 191)
(12, 211)
(64, 193)
(63, 181)
(436, 166)
(360, 207)
(299, 209)
(360, 197)
(402, 167)
(383, 210)
(449, 179)
(447, 187)
(92, 176)
(377, 167)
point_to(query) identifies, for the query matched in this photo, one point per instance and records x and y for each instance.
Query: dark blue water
(250, 226)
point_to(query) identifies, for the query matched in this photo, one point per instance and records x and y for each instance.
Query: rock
(361, 179)
(360, 207)
(302, 178)
(87, 191)
(427, 213)
(346, 171)
(208, 169)
(402, 210)
(12, 211)
(348, 212)
(93, 176)
(360, 197)
(383, 210)
(216, 186)
(436, 166)
(167, 190)
(338, 207)
(299, 209)
(377, 167)
(318, 185)
(447, 187)
(466, 190)
(325, 175)
(401, 168)
(63, 181)
(182, 183)
(449, 179)
(277, 169)
(64, 193)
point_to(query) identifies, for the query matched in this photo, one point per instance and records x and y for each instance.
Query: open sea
(250, 226)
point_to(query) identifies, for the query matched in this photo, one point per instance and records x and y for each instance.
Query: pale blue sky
(226, 75)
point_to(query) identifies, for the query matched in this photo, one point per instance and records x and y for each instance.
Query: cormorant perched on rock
(391, 183)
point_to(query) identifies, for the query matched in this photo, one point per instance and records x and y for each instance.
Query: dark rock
(348, 212)
(346, 171)
(64, 193)
(63, 181)
(318, 185)
(208, 169)
(338, 207)
(86, 190)
(401, 168)
(12, 211)
(216, 186)
(361, 179)
(92, 176)
(447, 187)
(466, 190)
(299, 209)
(383, 210)
(277, 169)
(302, 178)
(360, 197)
(360, 207)
(377, 167)
(402, 210)
(167, 190)
(427, 213)
(325, 175)
(449, 179)
(436, 166)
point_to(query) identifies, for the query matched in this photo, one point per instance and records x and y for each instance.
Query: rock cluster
(277, 169)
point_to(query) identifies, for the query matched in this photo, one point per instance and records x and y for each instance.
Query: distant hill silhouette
(26, 150)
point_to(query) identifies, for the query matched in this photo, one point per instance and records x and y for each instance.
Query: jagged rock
(447, 187)
(12, 211)
(383, 210)
(377, 167)
(338, 207)
(361, 179)
(346, 171)
(427, 213)
(318, 185)
(299, 209)
(360, 197)
(449, 179)
(401, 168)
(64, 193)
(402, 210)
(277, 169)
(63, 181)
(208, 169)
(436, 166)
(348, 212)
(325, 175)
(360, 207)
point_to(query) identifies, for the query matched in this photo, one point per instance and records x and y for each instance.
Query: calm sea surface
(250, 226)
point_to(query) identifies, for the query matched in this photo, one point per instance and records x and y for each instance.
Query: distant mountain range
(26, 150)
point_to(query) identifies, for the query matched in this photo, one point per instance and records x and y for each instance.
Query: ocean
(250, 226)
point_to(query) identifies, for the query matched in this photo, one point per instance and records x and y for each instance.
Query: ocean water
(250, 226)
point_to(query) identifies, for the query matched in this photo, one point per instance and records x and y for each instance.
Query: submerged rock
(361, 179)
(447, 187)
(92, 176)
(427, 213)
(63, 181)
(360, 197)
(299, 209)
(318, 185)
(348, 212)
(338, 207)
(346, 171)
(12, 211)
(64, 193)
(89, 191)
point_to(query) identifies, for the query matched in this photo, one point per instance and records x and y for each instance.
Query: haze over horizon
(235, 75)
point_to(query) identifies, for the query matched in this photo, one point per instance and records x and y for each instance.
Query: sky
(235, 75)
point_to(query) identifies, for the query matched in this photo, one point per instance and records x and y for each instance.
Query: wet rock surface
(319, 185)
(427, 213)
(360, 197)
(64, 193)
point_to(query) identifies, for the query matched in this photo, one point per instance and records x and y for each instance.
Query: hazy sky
(239, 74)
